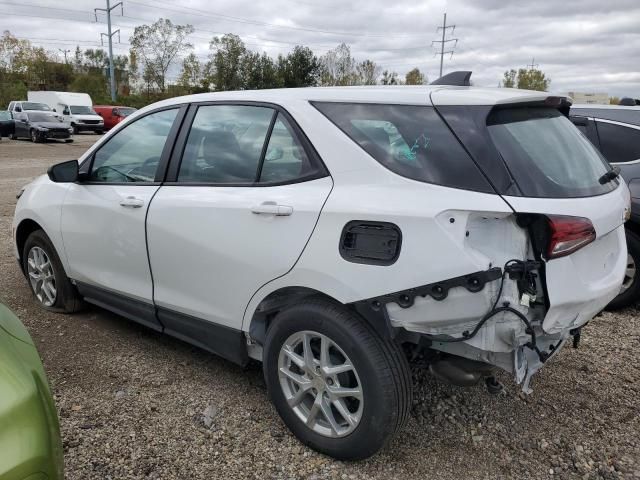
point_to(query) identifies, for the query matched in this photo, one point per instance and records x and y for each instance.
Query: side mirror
(65, 172)
(54, 109)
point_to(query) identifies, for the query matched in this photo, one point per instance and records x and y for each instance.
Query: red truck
(112, 115)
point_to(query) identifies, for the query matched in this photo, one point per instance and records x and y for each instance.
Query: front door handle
(131, 202)
(272, 208)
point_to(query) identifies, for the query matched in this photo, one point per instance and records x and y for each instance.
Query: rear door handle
(132, 202)
(272, 208)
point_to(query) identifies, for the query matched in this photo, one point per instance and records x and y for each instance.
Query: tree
(158, 46)
(191, 74)
(415, 77)
(509, 78)
(367, 73)
(614, 100)
(533, 79)
(526, 78)
(338, 67)
(226, 67)
(389, 78)
(300, 68)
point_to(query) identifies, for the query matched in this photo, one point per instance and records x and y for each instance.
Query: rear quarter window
(410, 140)
(619, 144)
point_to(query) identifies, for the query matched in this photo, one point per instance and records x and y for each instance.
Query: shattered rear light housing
(568, 234)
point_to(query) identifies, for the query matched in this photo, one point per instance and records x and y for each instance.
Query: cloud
(585, 45)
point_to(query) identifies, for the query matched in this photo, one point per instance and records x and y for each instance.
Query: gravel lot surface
(136, 404)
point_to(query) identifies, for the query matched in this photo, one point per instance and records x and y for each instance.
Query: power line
(206, 13)
(532, 65)
(443, 42)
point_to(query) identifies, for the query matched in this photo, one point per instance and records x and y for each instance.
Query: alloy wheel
(41, 276)
(629, 275)
(320, 384)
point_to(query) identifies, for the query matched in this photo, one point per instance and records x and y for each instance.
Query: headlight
(42, 129)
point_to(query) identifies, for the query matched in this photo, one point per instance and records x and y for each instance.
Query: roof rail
(458, 79)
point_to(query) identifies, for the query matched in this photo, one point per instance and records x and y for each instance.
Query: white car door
(103, 216)
(238, 213)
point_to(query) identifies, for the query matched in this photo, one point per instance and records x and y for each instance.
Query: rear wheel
(338, 386)
(47, 278)
(630, 291)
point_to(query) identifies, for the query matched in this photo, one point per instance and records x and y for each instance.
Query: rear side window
(409, 140)
(619, 144)
(225, 144)
(546, 154)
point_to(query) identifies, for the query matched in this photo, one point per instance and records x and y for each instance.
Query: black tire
(35, 138)
(12, 136)
(382, 369)
(98, 132)
(75, 129)
(68, 140)
(67, 298)
(632, 294)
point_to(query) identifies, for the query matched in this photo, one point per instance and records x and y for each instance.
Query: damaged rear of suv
(487, 233)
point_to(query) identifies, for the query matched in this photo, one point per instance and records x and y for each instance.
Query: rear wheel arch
(285, 297)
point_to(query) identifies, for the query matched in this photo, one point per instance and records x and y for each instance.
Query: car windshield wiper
(610, 175)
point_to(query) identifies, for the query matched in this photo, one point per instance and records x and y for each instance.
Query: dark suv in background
(615, 131)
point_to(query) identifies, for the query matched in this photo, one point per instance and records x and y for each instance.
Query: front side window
(619, 144)
(546, 154)
(133, 154)
(225, 144)
(410, 140)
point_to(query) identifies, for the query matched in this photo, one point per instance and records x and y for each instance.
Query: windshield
(546, 154)
(35, 106)
(125, 112)
(42, 117)
(81, 110)
(4, 115)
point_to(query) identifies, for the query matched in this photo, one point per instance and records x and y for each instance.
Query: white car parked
(333, 232)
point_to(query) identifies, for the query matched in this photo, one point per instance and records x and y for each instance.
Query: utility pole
(109, 35)
(445, 40)
(64, 52)
(533, 65)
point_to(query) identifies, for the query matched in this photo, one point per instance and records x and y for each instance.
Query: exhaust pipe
(460, 371)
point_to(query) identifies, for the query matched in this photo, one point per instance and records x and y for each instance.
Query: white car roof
(413, 95)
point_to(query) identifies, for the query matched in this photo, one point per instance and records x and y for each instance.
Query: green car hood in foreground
(30, 445)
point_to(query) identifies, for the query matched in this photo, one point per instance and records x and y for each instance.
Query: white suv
(331, 233)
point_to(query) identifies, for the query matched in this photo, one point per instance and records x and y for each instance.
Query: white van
(76, 108)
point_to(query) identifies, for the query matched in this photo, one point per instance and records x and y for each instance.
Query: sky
(582, 45)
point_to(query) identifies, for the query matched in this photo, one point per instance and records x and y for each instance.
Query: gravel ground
(134, 404)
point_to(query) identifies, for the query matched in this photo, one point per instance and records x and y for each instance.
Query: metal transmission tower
(444, 40)
(109, 35)
(533, 65)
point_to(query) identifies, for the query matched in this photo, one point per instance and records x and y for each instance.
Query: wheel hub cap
(41, 276)
(629, 275)
(320, 384)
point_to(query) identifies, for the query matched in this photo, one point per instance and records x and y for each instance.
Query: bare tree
(158, 46)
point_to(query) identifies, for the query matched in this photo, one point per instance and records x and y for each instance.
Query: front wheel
(339, 387)
(630, 291)
(47, 278)
(35, 138)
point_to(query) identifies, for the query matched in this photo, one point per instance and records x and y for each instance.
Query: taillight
(568, 234)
